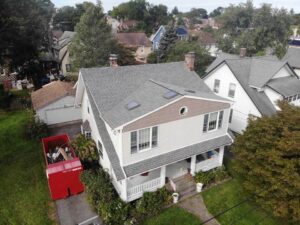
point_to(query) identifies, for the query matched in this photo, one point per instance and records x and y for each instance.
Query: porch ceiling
(177, 155)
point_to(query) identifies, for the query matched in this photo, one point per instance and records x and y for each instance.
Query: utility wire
(248, 211)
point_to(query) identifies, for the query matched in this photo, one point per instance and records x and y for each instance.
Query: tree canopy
(267, 159)
(93, 42)
(256, 29)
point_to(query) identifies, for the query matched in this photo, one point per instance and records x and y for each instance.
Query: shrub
(36, 129)
(86, 149)
(212, 176)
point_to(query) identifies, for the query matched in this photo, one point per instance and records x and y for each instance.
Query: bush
(212, 176)
(36, 129)
(86, 149)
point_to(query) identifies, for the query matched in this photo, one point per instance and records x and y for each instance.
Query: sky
(186, 5)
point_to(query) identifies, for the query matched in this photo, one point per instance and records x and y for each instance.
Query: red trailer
(63, 167)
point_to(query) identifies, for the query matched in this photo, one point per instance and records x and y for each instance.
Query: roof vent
(132, 105)
(190, 91)
(170, 94)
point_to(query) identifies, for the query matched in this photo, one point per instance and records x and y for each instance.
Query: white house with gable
(152, 123)
(253, 84)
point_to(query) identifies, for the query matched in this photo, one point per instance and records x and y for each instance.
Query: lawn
(24, 193)
(226, 195)
(173, 216)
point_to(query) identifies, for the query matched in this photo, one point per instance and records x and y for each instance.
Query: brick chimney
(113, 60)
(190, 61)
(243, 52)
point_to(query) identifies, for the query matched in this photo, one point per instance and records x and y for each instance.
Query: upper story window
(212, 121)
(231, 91)
(143, 139)
(217, 86)
(230, 115)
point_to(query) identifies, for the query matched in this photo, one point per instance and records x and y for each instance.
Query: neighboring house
(206, 40)
(61, 52)
(181, 33)
(254, 84)
(293, 58)
(139, 42)
(126, 25)
(54, 103)
(114, 23)
(152, 122)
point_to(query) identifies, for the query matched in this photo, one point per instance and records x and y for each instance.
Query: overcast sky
(186, 5)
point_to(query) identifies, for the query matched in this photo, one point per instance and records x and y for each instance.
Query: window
(230, 115)
(68, 67)
(183, 110)
(298, 96)
(295, 98)
(231, 91)
(213, 121)
(220, 119)
(143, 139)
(88, 134)
(100, 149)
(88, 110)
(216, 85)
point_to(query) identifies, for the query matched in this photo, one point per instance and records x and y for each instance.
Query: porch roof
(177, 155)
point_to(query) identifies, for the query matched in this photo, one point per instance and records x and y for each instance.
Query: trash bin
(199, 187)
(175, 197)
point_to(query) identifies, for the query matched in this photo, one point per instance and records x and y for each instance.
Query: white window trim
(137, 140)
(217, 123)
(217, 90)
(230, 90)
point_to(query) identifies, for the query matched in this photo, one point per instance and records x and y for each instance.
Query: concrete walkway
(196, 206)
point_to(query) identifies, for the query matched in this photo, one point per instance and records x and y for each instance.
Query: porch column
(162, 176)
(221, 155)
(193, 165)
(124, 190)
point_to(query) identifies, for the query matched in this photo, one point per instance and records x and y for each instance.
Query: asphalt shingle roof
(286, 86)
(113, 88)
(177, 155)
(293, 57)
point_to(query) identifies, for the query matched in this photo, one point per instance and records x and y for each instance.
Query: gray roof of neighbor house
(252, 72)
(286, 86)
(113, 88)
(65, 39)
(293, 57)
(177, 155)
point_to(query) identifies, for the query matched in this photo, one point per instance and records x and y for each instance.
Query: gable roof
(133, 39)
(255, 72)
(65, 39)
(50, 93)
(153, 36)
(113, 88)
(293, 57)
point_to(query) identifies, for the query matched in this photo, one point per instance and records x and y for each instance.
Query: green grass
(173, 216)
(23, 189)
(228, 194)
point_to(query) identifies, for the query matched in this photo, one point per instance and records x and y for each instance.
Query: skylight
(170, 94)
(132, 105)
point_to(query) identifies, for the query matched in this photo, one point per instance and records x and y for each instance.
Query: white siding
(273, 96)
(174, 135)
(283, 72)
(297, 71)
(243, 105)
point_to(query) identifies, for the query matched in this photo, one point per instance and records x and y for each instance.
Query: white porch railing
(208, 164)
(138, 190)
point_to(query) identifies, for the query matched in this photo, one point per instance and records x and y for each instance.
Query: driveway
(71, 129)
(75, 210)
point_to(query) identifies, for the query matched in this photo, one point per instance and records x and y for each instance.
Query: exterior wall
(273, 96)
(283, 72)
(212, 49)
(243, 105)
(297, 71)
(142, 52)
(59, 111)
(156, 39)
(65, 61)
(174, 135)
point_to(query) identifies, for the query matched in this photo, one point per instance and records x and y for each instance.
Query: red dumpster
(63, 167)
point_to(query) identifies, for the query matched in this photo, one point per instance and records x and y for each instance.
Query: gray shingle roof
(286, 86)
(107, 143)
(255, 71)
(293, 57)
(113, 88)
(177, 155)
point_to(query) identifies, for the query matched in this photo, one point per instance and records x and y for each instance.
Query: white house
(54, 103)
(152, 122)
(254, 84)
(293, 58)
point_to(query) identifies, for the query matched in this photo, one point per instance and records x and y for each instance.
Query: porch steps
(185, 185)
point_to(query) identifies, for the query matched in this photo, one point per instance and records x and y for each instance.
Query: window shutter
(205, 122)
(220, 119)
(133, 142)
(154, 136)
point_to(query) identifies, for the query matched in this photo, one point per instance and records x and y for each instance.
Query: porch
(155, 179)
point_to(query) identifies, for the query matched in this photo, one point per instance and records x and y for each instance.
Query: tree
(217, 12)
(175, 11)
(93, 41)
(167, 41)
(268, 161)
(202, 57)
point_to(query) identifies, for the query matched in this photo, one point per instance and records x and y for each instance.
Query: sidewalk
(195, 205)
